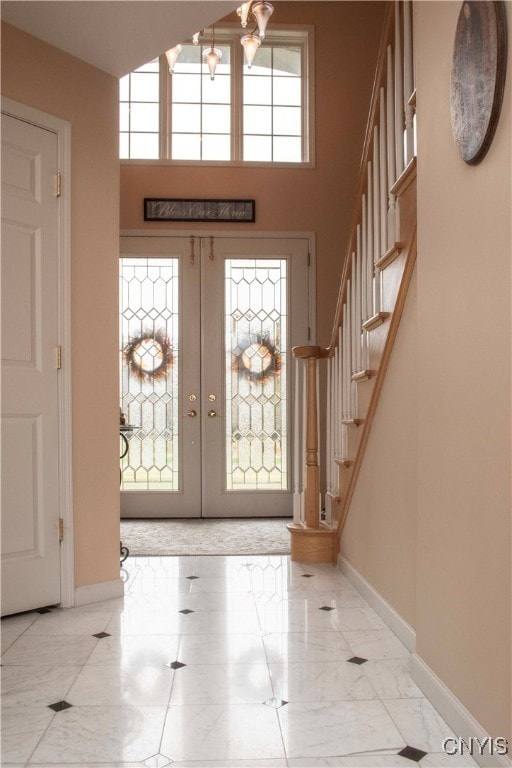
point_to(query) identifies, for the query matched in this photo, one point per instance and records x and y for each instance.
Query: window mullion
(130, 116)
(237, 101)
(201, 105)
(272, 50)
(304, 103)
(308, 107)
(165, 109)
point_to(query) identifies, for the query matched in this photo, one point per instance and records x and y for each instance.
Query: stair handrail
(389, 29)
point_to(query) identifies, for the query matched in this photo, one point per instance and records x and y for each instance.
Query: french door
(206, 328)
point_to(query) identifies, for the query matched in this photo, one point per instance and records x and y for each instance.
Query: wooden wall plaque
(173, 209)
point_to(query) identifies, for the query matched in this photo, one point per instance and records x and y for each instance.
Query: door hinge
(309, 259)
(61, 529)
(58, 185)
(309, 334)
(59, 357)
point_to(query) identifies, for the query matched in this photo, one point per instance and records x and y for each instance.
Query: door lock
(212, 414)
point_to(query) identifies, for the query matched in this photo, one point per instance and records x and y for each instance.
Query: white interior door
(207, 327)
(30, 405)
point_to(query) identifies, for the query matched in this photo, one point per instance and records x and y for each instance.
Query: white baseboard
(387, 613)
(449, 707)
(94, 593)
(460, 720)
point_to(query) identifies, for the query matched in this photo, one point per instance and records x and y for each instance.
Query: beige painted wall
(45, 78)
(379, 538)
(464, 391)
(320, 199)
(461, 550)
(40, 76)
(430, 525)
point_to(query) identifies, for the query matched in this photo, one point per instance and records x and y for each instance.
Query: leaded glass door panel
(206, 332)
(160, 377)
(255, 304)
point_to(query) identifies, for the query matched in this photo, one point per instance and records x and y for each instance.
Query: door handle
(192, 414)
(212, 414)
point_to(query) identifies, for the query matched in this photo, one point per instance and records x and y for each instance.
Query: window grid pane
(277, 82)
(139, 105)
(201, 114)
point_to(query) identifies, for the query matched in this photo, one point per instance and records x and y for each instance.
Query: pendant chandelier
(171, 55)
(261, 10)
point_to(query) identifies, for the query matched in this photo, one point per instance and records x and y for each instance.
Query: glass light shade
(262, 11)
(195, 38)
(172, 54)
(212, 58)
(243, 12)
(250, 43)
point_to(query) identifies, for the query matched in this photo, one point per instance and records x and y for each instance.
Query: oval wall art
(478, 76)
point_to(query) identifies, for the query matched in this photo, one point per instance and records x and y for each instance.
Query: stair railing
(368, 307)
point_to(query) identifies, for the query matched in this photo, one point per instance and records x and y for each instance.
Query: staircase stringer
(409, 253)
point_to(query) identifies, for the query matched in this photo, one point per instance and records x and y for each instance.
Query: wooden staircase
(379, 263)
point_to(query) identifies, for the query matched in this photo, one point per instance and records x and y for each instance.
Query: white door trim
(241, 234)
(62, 129)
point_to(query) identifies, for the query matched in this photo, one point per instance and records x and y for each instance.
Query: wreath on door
(149, 355)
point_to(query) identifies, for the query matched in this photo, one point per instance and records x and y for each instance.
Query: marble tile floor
(216, 662)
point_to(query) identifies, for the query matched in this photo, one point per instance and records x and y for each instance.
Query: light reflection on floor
(216, 661)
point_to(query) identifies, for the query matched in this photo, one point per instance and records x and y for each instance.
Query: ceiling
(116, 36)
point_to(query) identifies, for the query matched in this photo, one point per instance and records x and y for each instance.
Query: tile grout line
(158, 587)
(64, 699)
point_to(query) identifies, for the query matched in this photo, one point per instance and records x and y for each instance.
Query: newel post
(311, 540)
(312, 478)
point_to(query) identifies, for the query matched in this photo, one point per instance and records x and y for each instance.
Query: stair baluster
(378, 266)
